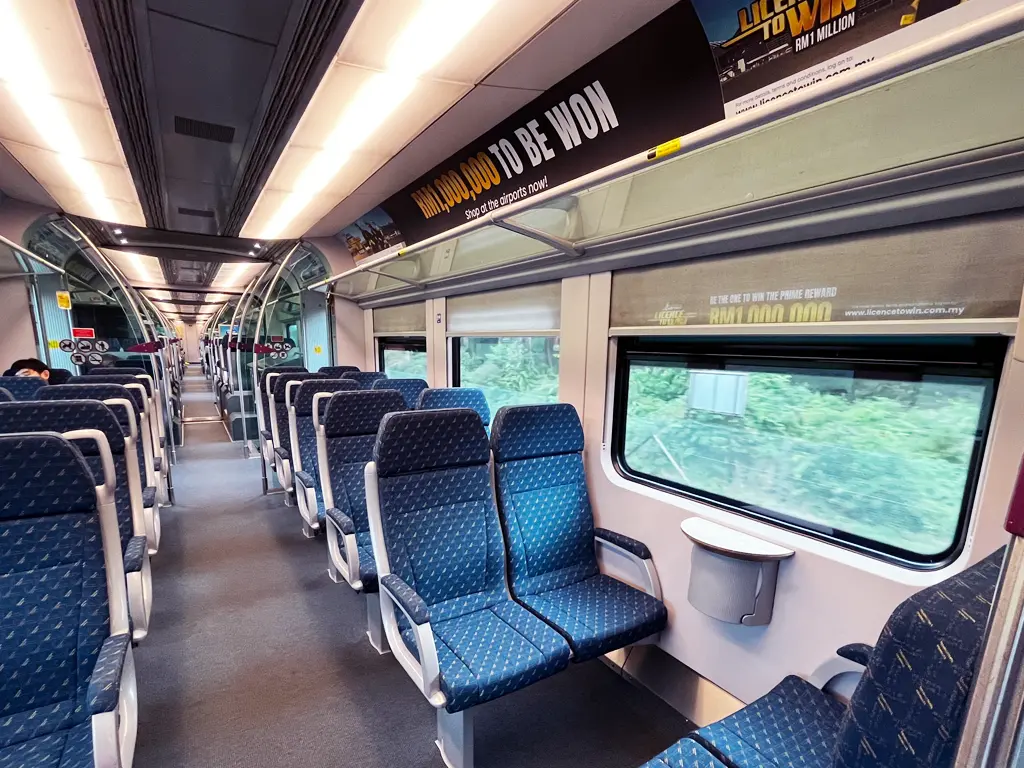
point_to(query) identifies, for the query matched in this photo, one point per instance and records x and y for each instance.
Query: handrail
(26, 252)
(995, 26)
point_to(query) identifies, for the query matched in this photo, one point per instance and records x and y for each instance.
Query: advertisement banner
(658, 83)
(767, 49)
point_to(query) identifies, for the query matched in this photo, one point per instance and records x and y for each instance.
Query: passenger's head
(30, 366)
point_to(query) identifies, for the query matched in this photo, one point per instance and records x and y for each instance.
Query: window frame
(983, 357)
(400, 343)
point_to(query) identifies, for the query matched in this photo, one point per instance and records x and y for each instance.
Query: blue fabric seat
(365, 379)
(65, 645)
(350, 423)
(22, 388)
(336, 371)
(6, 396)
(907, 710)
(456, 397)
(60, 415)
(549, 527)
(304, 445)
(445, 559)
(279, 423)
(409, 389)
(263, 410)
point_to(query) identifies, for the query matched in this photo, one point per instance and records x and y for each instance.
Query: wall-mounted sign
(84, 345)
(63, 300)
(83, 333)
(78, 358)
(66, 345)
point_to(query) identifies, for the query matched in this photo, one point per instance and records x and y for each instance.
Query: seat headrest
(43, 475)
(364, 379)
(22, 387)
(63, 416)
(359, 412)
(60, 375)
(113, 376)
(531, 431)
(281, 382)
(282, 369)
(103, 370)
(456, 397)
(420, 441)
(112, 380)
(337, 371)
(409, 389)
(302, 400)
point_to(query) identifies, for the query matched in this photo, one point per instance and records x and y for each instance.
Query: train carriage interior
(422, 383)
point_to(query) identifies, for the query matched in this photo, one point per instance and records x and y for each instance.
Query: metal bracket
(567, 247)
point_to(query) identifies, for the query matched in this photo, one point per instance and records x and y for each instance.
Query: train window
(511, 370)
(875, 445)
(403, 358)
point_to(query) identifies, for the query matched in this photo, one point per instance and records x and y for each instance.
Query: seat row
(79, 470)
(478, 588)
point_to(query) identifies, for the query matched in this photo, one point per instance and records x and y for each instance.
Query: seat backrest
(68, 415)
(542, 496)
(364, 379)
(278, 404)
(438, 520)
(908, 709)
(106, 390)
(22, 387)
(409, 389)
(60, 375)
(351, 422)
(263, 402)
(455, 397)
(6, 396)
(53, 598)
(337, 371)
(304, 451)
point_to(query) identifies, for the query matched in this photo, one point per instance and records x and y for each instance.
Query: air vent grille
(199, 212)
(200, 129)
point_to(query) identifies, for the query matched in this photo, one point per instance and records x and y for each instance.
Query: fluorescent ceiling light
(54, 117)
(385, 87)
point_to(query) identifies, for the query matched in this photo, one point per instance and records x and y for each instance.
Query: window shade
(406, 318)
(530, 308)
(968, 268)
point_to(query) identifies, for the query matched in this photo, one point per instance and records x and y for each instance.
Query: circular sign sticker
(78, 358)
(102, 346)
(289, 344)
(95, 358)
(67, 345)
(278, 346)
(84, 345)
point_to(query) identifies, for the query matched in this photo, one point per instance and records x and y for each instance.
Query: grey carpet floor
(256, 659)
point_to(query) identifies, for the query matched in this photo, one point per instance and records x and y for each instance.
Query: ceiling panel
(18, 183)
(478, 111)
(196, 196)
(49, 169)
(262, 20)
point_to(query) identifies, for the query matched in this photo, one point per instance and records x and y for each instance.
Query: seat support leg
(375, 624)
(307, 531)
(455, 738)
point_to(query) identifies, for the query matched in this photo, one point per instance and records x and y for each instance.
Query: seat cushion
(685, 754)
(795, 724)
(599, 614)
(367, 565)
(486, 654)
(70, 748)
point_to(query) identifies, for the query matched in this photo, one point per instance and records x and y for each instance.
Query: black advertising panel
(659, 83)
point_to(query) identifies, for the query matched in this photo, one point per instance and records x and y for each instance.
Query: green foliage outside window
(511, 370)
(880, 459)
(405, 364)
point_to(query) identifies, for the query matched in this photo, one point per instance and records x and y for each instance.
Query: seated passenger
(29, 366)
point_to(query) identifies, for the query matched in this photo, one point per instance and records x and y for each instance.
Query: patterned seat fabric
(22, 388)
(456, 397)
(685, 753)
(67, 415)
(908, 709)
(277, 403)
(104, 390)
(265, 394)
(305, 451)
(409, 389)
(545, 512)
(365, 379)
(53, 601)
(444, 540)
(336, 371)
(351, 421)
(6, 396)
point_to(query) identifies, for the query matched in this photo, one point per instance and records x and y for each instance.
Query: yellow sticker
(668, 148)
(63, 300)
(318, 349)
(54, 344)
